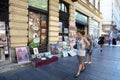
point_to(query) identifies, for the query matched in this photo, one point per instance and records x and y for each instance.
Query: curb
(13, 66)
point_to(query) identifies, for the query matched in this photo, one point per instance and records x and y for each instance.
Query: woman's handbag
(99, 42)
(75, 46)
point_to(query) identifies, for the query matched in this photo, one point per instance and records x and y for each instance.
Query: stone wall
(18, 18)
(18, 25)
(53, 20)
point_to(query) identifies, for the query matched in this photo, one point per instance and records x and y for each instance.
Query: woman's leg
(81, 65)
(79, 69)
(109, 42)
(91, 58)
(101, 46)
(87, 55)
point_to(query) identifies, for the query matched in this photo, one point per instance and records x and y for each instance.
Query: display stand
(37, 62)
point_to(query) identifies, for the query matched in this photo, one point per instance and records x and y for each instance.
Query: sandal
(76, 76)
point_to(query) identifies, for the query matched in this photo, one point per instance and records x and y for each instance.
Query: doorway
(4, 23)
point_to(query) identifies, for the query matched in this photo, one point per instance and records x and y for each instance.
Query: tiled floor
(105, 66)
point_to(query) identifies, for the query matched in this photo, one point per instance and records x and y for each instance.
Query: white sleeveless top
(81, 47)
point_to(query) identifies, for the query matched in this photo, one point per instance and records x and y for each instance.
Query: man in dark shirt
(101, 42)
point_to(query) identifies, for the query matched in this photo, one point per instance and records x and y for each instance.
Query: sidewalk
(105, 66)
(13, 66)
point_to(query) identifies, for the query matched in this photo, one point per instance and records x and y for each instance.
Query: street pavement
(105, 66)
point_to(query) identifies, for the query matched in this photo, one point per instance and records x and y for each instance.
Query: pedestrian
(109, 40)
(89, 49)
(114, 41)
(82, 45)
(101, 42)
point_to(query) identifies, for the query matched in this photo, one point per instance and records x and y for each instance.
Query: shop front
(28, 22)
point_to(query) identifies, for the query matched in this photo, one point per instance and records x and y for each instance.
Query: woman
(109, 40)
(82, 45)
(101, 42)
(89, 49)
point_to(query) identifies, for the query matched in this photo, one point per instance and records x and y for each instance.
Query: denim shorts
(88, 51)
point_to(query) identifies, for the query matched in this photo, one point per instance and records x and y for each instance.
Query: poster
(65, 45)
(65, 30)
(53, 48)
(60, 38)
(44, 31)
(35, 50)
(22, 54)
(72, 26)
(2, 25)
(65, 53)
(34, 29)
(66, 38)
(72, 52)
(60, 27)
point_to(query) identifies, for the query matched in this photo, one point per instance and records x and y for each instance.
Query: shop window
(38, 25)
(41, 4)
(37, 29)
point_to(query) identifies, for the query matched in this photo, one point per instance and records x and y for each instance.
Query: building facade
(111, 14)
(39, 23)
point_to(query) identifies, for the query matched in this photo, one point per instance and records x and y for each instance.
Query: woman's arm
(92, 45)
(87, 43)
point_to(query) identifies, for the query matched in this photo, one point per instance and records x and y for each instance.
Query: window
(63, 7)
(92, 2)
(97, 4)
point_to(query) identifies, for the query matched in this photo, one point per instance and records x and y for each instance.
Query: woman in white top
(82, 44)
